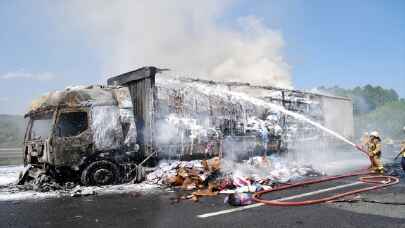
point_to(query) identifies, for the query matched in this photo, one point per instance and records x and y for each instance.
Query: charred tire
(100, 173)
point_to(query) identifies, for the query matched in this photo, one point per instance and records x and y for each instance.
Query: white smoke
(190, 36)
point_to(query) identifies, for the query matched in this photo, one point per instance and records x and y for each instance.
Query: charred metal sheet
(79, 96)
(141, 84)
(135, 75)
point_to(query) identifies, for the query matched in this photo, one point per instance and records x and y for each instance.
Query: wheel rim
(103, 176)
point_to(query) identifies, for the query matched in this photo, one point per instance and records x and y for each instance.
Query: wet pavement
(148, 206)
(159, 210)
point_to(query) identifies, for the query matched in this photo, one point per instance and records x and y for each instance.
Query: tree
(365, 99)
(375, 108)
(389, 119)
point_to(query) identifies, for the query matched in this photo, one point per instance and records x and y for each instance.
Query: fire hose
(380, 181)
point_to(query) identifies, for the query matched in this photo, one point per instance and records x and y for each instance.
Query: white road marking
(320, 191)
(228, 211)
(9, 149)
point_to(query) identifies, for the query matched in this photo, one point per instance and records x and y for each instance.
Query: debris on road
(80, 191)
(239, 199)
(215, 176)
(195, 178)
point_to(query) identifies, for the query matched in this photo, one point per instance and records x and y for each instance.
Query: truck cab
(85, 134)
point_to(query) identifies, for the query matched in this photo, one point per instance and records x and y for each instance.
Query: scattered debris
(214, 176)
(9, 191)
(239, 199)
(79, 191)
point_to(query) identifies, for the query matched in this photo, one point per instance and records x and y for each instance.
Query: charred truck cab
(89, 134)
(82, 141)
(85, 134)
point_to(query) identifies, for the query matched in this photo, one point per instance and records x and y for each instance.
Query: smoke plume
(193, 37)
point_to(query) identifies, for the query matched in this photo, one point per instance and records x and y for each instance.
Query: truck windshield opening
(41, 127)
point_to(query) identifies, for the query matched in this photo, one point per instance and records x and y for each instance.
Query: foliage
(375, 108)
(365, 99)
(12, 128)
(389, 119)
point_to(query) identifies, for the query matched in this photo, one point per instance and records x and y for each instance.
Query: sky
(48, 46)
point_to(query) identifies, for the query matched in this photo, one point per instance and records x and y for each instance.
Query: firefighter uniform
(374, 151)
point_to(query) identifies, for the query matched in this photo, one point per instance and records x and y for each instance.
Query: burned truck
(103, 134)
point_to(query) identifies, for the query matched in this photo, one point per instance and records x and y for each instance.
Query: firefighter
(374, 151)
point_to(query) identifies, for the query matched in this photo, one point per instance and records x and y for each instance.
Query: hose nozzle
(361, 148)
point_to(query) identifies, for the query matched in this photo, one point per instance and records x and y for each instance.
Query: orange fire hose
(380, 181)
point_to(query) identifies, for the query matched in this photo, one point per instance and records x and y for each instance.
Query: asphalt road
(162, 210)
(10, 156)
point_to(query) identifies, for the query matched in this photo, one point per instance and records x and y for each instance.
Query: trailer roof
(240, 84)
(115, 94)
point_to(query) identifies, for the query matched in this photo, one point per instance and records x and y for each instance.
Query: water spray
(225, 93)
(379, 181)
(244, 97)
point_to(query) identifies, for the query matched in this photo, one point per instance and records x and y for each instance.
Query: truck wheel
(100, 173)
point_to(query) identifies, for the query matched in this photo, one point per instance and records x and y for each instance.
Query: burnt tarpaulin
(141, 85)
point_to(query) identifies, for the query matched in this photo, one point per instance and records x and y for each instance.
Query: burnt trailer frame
(334, 112)
(143, 90)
